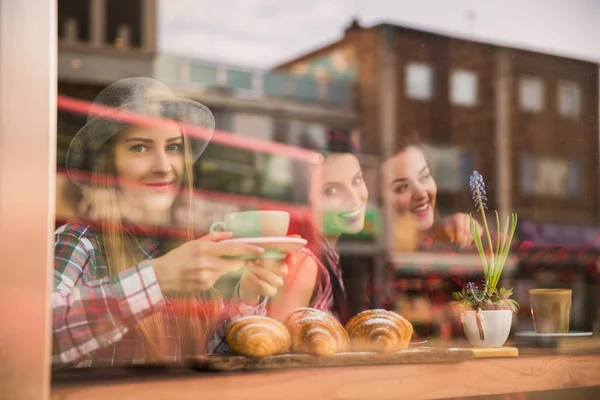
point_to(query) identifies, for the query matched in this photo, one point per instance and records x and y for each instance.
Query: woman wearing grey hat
(121, 294)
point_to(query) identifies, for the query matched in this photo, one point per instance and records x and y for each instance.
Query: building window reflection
(569, 99)
(74, 18)
(463, 88)
(124, 24)
(531, 94)
(451, 167)
(419, 81)
(227, 169)
(552, 176)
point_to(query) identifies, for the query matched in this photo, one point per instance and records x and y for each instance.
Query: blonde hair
(195, 313)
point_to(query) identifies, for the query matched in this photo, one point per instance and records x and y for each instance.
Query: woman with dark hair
(409, 191)
(316, 277)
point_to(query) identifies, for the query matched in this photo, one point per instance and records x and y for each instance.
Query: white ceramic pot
(496, 327)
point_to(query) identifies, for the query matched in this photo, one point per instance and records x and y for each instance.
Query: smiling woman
(123, 293)
(152, 158)
(344, 195)
(409, 191)
(316, 278)
(409, 186)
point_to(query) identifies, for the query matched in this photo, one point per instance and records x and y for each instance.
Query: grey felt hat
(144, 97)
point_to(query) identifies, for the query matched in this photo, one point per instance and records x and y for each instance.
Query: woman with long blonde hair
(122, 293)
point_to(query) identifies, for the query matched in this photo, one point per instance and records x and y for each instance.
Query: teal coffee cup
(254, 224)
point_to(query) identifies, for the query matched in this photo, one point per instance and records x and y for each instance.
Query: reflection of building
(527, 121)
(99, 42)
(264, 105)
(103, 40)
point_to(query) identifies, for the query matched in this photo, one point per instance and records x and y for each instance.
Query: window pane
(531, 94)
(239, 79)
(118, 16)
(75, 12)
(275, 84)
(419, 83)
(569, 99)
(463, 88)
(227, 169)
(204, 74)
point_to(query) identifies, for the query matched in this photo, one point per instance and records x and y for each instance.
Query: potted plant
(486, 311)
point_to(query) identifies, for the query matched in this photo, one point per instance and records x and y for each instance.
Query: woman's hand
(262, 277)
(196, 265)
(458, 229)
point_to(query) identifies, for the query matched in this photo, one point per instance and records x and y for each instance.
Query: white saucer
(553, 335)
(273, 245)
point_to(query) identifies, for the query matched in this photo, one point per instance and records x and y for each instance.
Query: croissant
(315, 332)
(379, 331)
(257, 336)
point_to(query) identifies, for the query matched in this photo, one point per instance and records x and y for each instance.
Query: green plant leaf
(505, 293)
(478, 244)
(491, 269)
(497, 233)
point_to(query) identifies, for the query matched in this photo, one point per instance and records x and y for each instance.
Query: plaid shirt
(94, 313)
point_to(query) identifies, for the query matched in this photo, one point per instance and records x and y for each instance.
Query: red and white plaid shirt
(94, 314)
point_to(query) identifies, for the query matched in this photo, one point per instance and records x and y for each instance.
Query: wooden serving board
(288, 361)
(497, 352)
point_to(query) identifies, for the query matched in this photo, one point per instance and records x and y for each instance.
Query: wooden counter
(571, 365)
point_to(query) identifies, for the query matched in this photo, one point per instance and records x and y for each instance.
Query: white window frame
(417, 90)
(568, 110)
(27, 192)
(528, 83)
(466, 80)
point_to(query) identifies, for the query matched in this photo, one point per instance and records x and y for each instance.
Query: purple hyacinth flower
(478, 190)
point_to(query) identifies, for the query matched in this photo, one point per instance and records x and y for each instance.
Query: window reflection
(419, 81)
(569, 99)
(389, 225)
(463, 88)
(74, 20)
(531, 94)
(227, 170)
